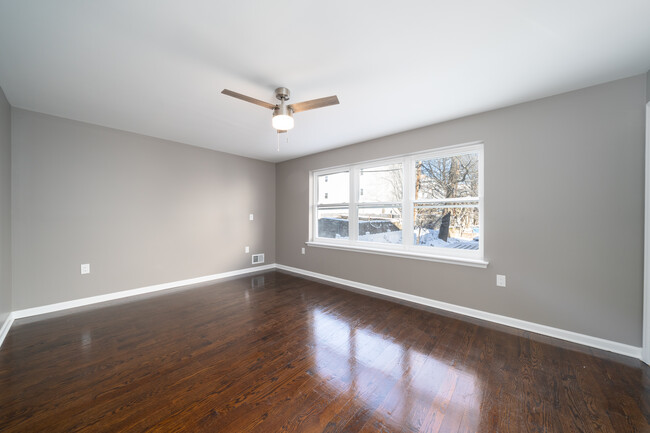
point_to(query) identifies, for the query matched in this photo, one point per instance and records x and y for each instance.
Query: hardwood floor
(275, 352)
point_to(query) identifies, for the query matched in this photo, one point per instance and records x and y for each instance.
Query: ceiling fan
(283, 112)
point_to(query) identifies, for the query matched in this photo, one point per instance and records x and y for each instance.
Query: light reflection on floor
(400, 384)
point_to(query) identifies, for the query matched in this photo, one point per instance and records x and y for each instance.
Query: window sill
(464, 261)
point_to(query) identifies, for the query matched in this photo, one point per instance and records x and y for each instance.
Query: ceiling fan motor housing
(283, 109)
(282, 93)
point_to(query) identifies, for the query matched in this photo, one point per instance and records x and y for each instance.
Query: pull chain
(287, 141)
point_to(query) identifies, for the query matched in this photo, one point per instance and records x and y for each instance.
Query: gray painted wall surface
(5, 208)
(140, 210)
(563, 213)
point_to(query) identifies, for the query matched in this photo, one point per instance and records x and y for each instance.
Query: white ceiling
(158, 67)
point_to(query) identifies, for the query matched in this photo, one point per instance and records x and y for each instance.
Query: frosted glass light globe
(282, 122)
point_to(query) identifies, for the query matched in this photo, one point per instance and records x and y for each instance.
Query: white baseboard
(598, 343)
(4, 330)
(28, 312)
(587, 340)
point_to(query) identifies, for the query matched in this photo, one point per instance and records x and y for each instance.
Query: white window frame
(407, 249)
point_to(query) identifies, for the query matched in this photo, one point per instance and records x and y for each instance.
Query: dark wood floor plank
(275, 352)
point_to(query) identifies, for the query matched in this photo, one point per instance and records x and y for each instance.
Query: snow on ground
(429, 238)
(388, 237)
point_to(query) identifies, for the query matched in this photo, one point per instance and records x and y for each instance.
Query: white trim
(404, 253)
(353, 222)
(406, 248)
(28, 312)
(441, 151)
(646, 244)
(408, 190)
(481, 203)
(587, 340)
(6, 326)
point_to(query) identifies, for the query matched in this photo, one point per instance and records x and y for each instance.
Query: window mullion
(353, 218)
(371, 204)
(434, 201)
(407, 201)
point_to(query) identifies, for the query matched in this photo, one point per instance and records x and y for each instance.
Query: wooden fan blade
(314, 103)
(248, 99)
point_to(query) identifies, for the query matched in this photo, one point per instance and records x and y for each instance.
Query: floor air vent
(258, 258)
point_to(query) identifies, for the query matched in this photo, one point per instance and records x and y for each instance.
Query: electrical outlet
(501, 280)
(303, 251)
(247, 249)
(251, 217)
(85, 268)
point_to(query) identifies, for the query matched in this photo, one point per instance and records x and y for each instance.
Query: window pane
(380, 225)
(333, 223)
(381, 184)
(453, 226)
(447, 177)
(334, 188)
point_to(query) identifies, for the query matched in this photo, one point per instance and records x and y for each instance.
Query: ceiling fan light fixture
(282, 122)
(282, 113)
(282, 118)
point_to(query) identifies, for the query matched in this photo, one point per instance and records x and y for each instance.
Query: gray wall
(5, 208)
(140, 210)
(563, 213)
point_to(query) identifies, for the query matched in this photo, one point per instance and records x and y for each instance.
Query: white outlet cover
(501, 280)
(303, 251)
(251, 217)
(247, 249)
(85, 268)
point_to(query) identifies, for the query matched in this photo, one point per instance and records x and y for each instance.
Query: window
(379, 211)
(426, 205)
(333, 205)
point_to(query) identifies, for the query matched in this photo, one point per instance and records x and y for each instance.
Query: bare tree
(446, 178)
